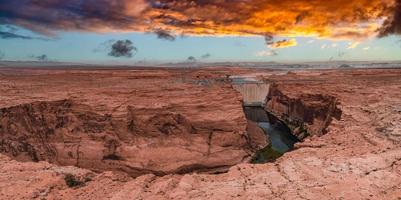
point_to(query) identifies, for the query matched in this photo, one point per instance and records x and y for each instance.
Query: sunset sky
(129, 31)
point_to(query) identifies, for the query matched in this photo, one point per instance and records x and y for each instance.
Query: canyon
(192, 133)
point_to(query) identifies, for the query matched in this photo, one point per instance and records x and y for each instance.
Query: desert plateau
(185, 133)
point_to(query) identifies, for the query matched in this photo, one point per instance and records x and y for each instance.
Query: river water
(279, 135)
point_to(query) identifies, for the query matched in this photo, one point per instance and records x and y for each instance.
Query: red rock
(176, 128)
(304, 114)
(358, 158)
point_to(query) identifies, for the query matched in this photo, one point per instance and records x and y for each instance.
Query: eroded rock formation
(257, 137)
(68, 133)
(305, 114)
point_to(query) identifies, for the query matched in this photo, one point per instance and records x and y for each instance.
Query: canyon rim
(113, 138)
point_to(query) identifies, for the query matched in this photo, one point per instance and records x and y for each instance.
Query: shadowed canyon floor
(182, 134)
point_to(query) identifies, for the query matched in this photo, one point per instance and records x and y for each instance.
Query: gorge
(189, 133)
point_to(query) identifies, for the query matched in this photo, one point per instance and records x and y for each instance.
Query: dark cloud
(42, 57)
(191, 59)
(123, 48)
(206, 56)
(48, 16)
(10, 32)
(393, 24)
(165, 35)
(9, 28)
(301, 16)
(10, 35)
(269, 39)
(104, 46)
(285, 43)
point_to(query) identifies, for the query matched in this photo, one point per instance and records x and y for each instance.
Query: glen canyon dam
(200, 99)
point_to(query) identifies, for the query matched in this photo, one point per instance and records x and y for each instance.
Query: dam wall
(254, 94)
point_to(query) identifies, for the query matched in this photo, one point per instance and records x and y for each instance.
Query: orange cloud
(334, 19)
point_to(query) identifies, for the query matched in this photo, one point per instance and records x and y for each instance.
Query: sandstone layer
(358, 156)
(305, 114)
(138, 122)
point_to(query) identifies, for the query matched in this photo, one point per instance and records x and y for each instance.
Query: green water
(280, 137)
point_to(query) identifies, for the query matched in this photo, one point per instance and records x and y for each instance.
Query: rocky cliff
(304, 113)
(68, 133)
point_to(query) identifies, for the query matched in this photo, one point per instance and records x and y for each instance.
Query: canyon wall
(65, 132)
(305, 114)
(256, 114)
(358, 158)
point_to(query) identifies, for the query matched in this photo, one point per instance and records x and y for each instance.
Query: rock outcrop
(258, 139)
(305, 114)
(68, 133)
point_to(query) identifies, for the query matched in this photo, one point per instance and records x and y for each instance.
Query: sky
(150, 31)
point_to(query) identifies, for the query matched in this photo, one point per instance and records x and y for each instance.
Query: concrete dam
(254, 92)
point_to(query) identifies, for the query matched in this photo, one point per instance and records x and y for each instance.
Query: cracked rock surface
(358, 157)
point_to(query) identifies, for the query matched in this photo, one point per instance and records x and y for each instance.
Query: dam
(253, 91)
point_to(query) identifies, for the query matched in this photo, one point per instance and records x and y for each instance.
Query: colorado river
(280, 138)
